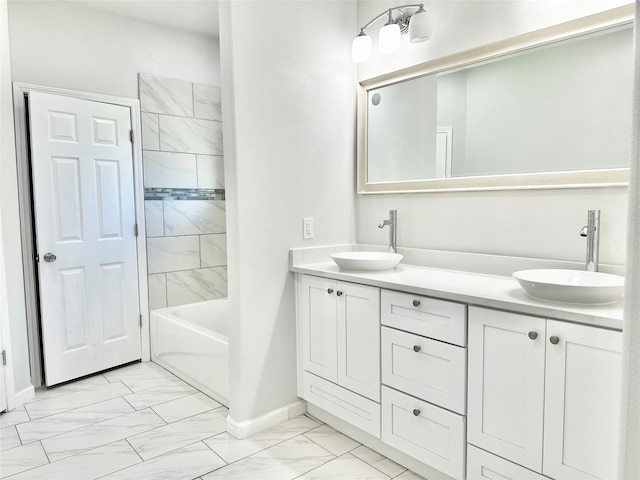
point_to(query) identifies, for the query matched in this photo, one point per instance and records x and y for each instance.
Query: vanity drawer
(485, 465)
(350, 407)
(439, 319)
(428, 433)
(431, 370)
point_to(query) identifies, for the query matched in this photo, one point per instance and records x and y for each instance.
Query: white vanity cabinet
(544, 394)
(340, 349)
(424, 379)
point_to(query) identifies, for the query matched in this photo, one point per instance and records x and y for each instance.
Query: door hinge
(140, 320)
(135, 229)
(131, 135)
(4, 357)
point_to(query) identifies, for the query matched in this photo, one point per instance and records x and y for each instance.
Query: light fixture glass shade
(389, 38)
(420, 27)
(361, 49)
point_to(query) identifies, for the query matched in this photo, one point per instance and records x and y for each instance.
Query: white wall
(10, 228)
(65, 45)
(542, 223)
(289, 92)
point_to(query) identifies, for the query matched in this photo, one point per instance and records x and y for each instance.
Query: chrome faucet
(393, 230)
(592, 231)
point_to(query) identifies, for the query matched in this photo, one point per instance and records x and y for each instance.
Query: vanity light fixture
(417, 24)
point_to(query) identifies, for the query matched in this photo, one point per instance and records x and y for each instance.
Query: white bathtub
(191, 341)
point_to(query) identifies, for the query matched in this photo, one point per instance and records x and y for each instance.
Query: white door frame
(20, 90)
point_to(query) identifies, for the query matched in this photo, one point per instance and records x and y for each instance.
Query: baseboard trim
(24, 395)
(247, 428)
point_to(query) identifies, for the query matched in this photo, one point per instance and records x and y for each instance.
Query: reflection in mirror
(555, 108)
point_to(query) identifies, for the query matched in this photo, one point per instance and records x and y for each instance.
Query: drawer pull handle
(416, 412)
(416, 348)
(329, 291)
(339, 293)
(554, 340)
(533, 335)
(416, 303)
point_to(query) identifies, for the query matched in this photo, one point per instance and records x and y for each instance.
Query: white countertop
(472, 288)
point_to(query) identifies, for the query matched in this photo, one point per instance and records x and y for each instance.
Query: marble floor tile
(332, 440)
(284, 461)
(62, 403)
(103, 433)
(232, 449)
(183, 464)
(136, 373)
(164, 393)
(145, 381)
(184, 407)
(386, 466)
(75, 386)
(179, 434)
(88, 465)
(409, 475)
(14, 417)
(9, 438)
(73, 419)
(346, 467)
(22, 458)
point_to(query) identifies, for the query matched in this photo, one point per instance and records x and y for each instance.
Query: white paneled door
(85, 235)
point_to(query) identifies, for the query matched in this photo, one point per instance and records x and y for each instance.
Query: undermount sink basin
(367, 261)
(571, 286)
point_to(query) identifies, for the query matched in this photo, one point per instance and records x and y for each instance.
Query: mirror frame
(616, 177)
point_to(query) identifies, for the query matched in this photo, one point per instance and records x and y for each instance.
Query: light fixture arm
(419, 6)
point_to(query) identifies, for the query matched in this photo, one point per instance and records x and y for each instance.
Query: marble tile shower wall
(184, 191)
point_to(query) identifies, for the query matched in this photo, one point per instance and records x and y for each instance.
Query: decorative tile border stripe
(184, 194)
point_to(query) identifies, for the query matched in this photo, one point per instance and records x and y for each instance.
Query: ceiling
(197, 16)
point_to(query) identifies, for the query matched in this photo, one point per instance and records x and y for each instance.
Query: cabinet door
(506, 385)
(483, 465)
(582, 401)
(359, 339)
(319, 327)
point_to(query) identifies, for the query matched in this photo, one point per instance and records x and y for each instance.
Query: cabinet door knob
(329, 291)
(416, 348)
(339, 293)
(416, 412)
(554, 340)
(533, 335)
(416, 303)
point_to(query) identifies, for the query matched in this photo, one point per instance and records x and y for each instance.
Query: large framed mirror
(548, 109)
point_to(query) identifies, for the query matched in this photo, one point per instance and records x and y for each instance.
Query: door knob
(554, 340)
(49, 257)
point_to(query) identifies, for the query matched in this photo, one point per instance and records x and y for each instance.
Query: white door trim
(26, 214)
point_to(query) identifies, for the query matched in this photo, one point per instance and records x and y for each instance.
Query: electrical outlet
(307, 228)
